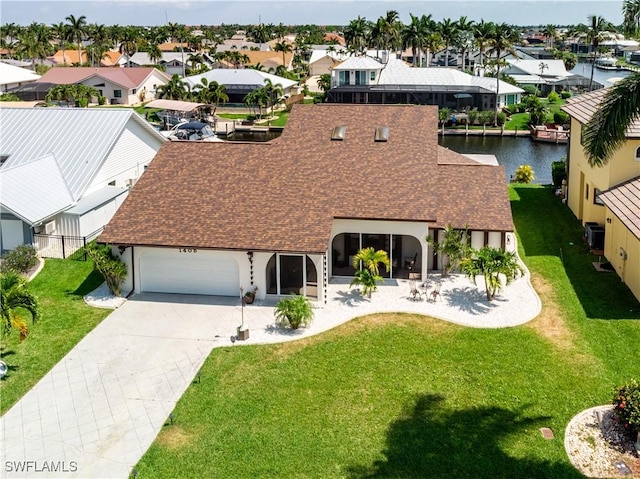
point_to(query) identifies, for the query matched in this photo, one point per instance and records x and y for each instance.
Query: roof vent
(3, 158)
(382, 133)
(338, 133)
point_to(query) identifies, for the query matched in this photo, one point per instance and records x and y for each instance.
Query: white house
(288, 215)
(121, 86)
(65, 172)
(387, 79)
(13, 76)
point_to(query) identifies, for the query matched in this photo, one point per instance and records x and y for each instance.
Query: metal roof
(624, 201)
(11, 74)
(174, 105)
(79, 139)
(42, 196)
(96, 199)
(239, 76)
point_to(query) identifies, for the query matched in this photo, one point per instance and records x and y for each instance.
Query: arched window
(637, 158)
(292, 274)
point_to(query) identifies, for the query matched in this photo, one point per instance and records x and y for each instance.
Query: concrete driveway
(100, 408)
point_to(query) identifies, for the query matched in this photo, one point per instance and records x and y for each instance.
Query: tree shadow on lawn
(91, 282)
(430, 441)
(547, 227)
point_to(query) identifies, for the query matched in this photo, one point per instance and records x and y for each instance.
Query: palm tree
(595, 34)
(154, 52)
(371, 259)
(324, 82)
(14, 296)
(61, 32)
(33, 43)
(413, 36)
(605, 131)
(283, 47)
(367, 275)
(178, 33)
(391, 27)
(492, 263)
(455, 245)
(8, 34)
(482, 33)
(464, 38)
(210, 92)
(502, 40)
(77, 30)
(448, 31)
(356, 33)
(176, 89)
(551, 33)
(631, 13)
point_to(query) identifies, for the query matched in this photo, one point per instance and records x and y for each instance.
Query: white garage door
(169, 271)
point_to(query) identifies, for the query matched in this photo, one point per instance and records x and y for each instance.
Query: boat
(191, 131)
(605, 63)
(549, 133)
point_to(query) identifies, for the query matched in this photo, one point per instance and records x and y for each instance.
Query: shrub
(553, 97)
(20, 260)
(558, 172)
(560, 118)
(473, 117)
(564, 94)
(293, 312)
(524, 174)
(512, 108)
(530, 90)
(102, 100)
(112, 268)
(626, 406)
(502, 118)
(485, 117)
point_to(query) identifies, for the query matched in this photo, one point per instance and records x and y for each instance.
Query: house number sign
(187, 250)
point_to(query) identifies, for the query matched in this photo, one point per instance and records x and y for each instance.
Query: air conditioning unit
(50, 227)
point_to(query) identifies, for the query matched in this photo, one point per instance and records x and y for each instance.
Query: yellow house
(607, 196)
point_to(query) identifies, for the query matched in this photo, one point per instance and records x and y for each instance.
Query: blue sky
(320, 12)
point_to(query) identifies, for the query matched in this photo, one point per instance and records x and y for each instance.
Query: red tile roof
(283, 195)
(126, 77)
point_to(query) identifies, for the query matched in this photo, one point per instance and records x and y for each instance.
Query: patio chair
(411, 264)
(435, 294)
(414, 291)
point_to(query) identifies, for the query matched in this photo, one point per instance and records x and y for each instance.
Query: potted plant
(250, 296)
(293, 312)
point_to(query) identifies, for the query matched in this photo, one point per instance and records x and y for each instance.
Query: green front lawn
(408, 396)
(65, 320)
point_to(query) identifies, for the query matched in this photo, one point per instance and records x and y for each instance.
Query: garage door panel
(168, 273)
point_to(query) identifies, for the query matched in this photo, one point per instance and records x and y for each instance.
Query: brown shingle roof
(584, 106)
(624, 201)
(126, 77)
(284, 195)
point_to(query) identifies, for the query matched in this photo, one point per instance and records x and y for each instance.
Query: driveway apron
(100, 408)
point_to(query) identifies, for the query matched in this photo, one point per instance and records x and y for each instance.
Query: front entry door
(291, 274)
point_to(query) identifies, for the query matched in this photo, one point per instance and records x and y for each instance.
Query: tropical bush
(493, 264)
(524, 174)
(21, 259)
(626, 406)
(9, 97)
(293, 312)
(564, 94)
(455, 244)
(15, 296)
(502, 118)
(560, 118)
(530, 90)
(553, 97)
(112, 268)
(559, 172)
(472, 117)
(368, 276)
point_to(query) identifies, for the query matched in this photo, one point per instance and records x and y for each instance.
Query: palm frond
(605, 132)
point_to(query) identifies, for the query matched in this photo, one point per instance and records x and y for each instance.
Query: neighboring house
(389, 80)
(14, 77)
(240, 82)
(121, 86)
(322, 60)
(289, 215)
(547, 75)
(66, 171)
(268, 59)
(70, 57)
(608, 197)
(171, 62)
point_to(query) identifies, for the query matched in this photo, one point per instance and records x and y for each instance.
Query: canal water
(510, 152)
